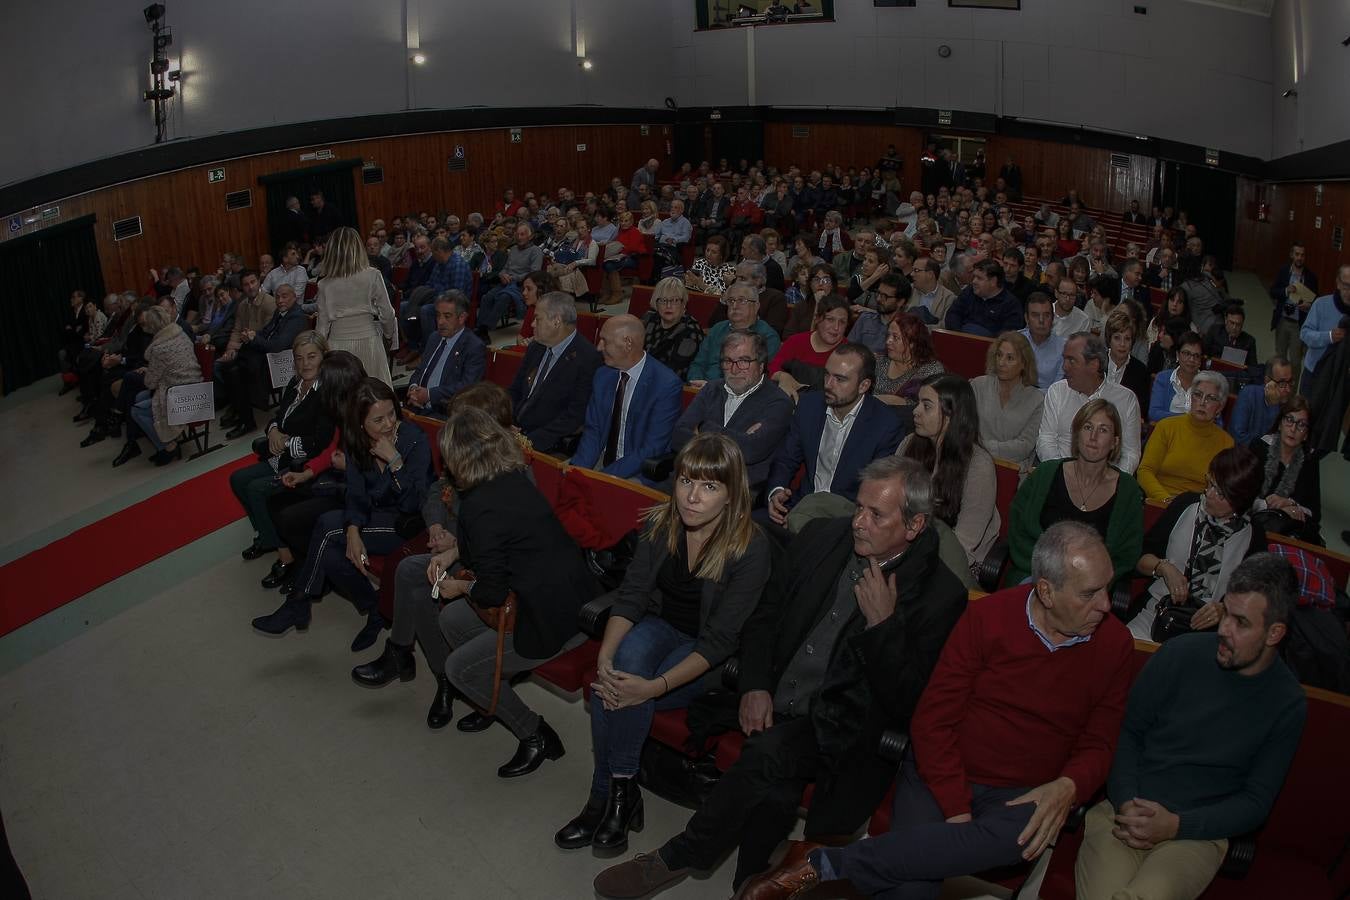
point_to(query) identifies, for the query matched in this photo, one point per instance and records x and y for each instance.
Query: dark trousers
(252, 485)
(327, 557)
(294, 511)
(911, 860)
(416, 614)
(754, 804)
(241, 377)
(133, 383)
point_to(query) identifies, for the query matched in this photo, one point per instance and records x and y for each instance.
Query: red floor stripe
(105, 550)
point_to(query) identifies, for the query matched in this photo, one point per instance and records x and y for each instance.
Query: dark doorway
(690, 145)
(334, 179)
(39, 272)
(737, 141)
(1209, 198)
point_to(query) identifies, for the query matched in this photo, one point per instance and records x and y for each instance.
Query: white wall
(1186, 72)
(1309, 58)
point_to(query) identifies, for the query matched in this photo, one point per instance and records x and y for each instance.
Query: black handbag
(1171, 621)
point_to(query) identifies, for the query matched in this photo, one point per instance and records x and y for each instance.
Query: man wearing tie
(553, 384)
(455, 358)
(634, 404)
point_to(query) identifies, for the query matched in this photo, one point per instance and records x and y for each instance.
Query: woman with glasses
(1179, 450)
(672, 335)
(1193, 548)
(822, 283)
(1171, 394)
(1291, 486)
(909, 361)
(800, 361)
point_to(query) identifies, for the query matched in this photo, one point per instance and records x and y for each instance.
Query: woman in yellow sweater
(1178, 453)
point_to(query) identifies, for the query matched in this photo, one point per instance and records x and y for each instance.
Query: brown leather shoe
(644, 874)
(793, 876)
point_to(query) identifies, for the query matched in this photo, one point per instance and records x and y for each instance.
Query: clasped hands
(1143, 824)
(618, 690)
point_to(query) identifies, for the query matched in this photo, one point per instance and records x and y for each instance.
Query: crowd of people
(831, 501)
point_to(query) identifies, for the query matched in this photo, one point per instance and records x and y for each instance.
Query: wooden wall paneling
(1050, 169)
(843, 145)
(1264, 246)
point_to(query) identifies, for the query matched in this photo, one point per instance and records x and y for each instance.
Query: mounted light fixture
(587, 64)
(419, 58)
(1290, 93)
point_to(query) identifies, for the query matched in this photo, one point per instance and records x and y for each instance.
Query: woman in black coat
(512, 543)
(1119, 333)
(1290, 501)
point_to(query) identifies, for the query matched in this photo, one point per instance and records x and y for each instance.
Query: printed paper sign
(282, 367)
(190, 403)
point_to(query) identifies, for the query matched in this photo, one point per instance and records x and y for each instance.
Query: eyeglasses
(1282, 382)
(1190, 354)
(1202, 397)
(1212, 485)
(823, 279)
(669, 301)
(741, 301)
(740, 362)
(1299, 425)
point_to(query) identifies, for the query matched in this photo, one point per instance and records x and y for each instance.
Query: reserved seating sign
(189, 403)
(281, 366)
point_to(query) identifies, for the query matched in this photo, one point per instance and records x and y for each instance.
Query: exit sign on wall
(214, 175)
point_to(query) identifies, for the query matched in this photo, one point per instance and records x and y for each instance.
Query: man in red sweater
(1017, 725)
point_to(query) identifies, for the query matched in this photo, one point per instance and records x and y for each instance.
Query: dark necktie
(431, 364)
(543, 370)
(615, 422)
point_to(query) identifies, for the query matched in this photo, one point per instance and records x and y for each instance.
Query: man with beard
(892, 291)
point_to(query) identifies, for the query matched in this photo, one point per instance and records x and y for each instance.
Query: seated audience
(1087, 488)
(891, 292)
(634, 403)
(454, 359)
(930, 299)
(1008, 401)
(1290, 501)
(1192, 549)
(800, 362)
(507, 541)
(502, 286)
(355, 313)
(773, 306)
(1046, 346)
(552, 387)
(569, 263)
(673, 336)
(742, 404)
(890, 601)
(388, 471)
(1171, 393)
(985, 307)
(946, 441)
(169, 362)
(1085, 366)
(1258, 405)
(1210, 730)
(835, 432)
(699, 570)
(216, 322)
(909, 360)
(1205, 289)
(1123, 367)
(1228, 336)
(245, 375)
(742, 303)
(713, 272)
(1103, 292)
(1069, 319)
(301, 429)
(876, 265)
(1180, 448)
(532, 287)
(1017, 726)
(821, 283)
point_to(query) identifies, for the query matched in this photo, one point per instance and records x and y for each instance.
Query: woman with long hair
(908, 362)
(946, 442)
(1008, 400)
(388, 473)
(354, 309)
(698, 572)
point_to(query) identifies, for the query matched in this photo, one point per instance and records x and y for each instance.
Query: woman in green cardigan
(1085, 488)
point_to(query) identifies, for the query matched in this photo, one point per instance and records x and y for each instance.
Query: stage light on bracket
(419, 58)
(587, 64)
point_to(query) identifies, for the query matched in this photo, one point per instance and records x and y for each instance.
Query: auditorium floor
(153, 746)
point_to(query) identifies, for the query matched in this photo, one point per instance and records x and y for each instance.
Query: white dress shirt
(1074, 322)
(1062, 403)
(832, 439)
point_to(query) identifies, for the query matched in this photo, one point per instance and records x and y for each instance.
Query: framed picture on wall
(985, 4)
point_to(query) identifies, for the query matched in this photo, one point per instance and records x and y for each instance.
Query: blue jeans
(652, 647)
(497, 301)
(143, 415)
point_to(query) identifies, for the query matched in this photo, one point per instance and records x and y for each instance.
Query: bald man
(635, 402)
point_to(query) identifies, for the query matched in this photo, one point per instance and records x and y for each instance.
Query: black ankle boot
(396, 661)
(579, 832)
(375, 623)
(95, 435)
(530, 755)
(442, 707)
(294, 613)
(130, 450)
(623, 813)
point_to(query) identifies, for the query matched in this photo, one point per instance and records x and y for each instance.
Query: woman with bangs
(697, 574)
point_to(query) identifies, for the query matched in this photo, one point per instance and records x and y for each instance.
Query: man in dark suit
(742, 404)
(553, 384)
(634, 404)
(455, 358)
(294, 224)
(325, 217)
(1288, 314)
(838, 651)
(714, 215)
(1164, 276)
(246, 377)
(834, 433)
(1011, 173)
(953, 172)
(1134, 216)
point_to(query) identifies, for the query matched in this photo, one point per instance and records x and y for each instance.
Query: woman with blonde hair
(696, 576)
(354, 309)
(169, 361)
(672, 335)
(1008, 400)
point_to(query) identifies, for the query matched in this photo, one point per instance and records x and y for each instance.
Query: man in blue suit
(552, 387)
(635, 402)
(835, 433)
(455, 358)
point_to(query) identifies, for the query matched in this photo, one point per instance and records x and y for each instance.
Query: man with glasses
(930, 298)
(742, 302)
(1258, 404)
(1069, 318)
(892, 292)
(1228, 335)
(1086, 363)
(742, 404)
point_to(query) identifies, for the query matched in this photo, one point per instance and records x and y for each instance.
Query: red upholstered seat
(963, 354)
(589, 325)
(502, 365)
(548, 475)
(640, 300)
(573, 670)
(701, 307)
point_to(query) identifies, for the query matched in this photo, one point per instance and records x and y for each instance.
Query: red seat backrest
(589, 325)
(640, 301)
(502, 365)
(612, 506)
(432, 427)
(548, 475)
(687, 396)
(311, 290)
(701, 307)
(206, 358)
(962, 354)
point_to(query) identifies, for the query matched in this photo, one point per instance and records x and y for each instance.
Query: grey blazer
(768, 407)
(725, 606)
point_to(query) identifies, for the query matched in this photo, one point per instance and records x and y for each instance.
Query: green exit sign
(214, 175)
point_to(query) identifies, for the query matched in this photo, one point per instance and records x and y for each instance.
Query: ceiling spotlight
(587, 64)
(419, 58)
(153, 11)
(1290, 93)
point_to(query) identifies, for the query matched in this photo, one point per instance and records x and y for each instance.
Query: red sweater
(1002, 710)
(798, 347)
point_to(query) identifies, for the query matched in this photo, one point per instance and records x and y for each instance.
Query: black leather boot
(530, 755)
(375, 623)
(130, 450)
(442, 707)
(396, 661)
(579, 832)
(623, 813)
(474, 722)
(294, 613)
